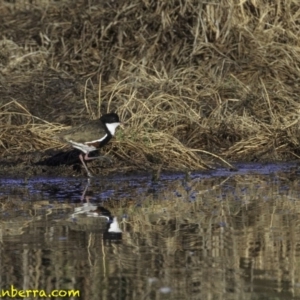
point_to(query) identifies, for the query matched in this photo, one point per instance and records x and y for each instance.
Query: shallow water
(212, 235)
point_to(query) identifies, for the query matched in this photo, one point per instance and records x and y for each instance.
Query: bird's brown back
(90, 131)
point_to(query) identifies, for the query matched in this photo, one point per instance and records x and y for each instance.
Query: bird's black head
(110, 118)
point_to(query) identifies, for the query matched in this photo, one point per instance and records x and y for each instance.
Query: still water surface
(214, 235)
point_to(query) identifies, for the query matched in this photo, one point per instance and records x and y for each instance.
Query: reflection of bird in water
(113, 230)
(91, 136)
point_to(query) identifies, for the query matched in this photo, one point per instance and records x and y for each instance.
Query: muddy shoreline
(39, 164)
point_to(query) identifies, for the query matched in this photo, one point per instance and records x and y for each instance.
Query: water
(212, 235)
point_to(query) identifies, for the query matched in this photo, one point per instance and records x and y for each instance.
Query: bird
(91, 136)
(113, 230)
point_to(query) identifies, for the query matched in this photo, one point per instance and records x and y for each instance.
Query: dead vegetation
(194, 81)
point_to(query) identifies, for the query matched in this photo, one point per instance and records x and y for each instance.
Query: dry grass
(193, 81)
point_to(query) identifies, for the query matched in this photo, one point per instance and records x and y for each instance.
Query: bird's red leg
(86, 157)
(82, 160)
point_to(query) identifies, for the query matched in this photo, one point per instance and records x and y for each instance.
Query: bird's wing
(91, 131)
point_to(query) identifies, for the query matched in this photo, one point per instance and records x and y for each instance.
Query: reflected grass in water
(215, 237)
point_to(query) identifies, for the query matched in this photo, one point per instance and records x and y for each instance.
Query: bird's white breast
(112, 127)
